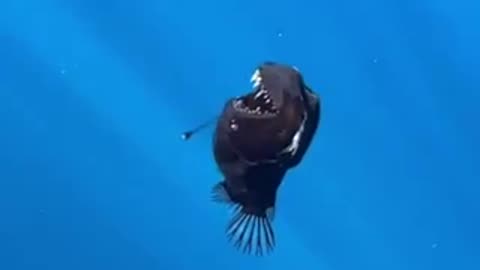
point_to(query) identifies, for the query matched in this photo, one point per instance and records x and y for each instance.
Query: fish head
(265, 121)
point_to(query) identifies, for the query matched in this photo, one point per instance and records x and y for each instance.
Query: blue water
(95, 93)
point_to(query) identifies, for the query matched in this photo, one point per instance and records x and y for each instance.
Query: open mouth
(259, 102)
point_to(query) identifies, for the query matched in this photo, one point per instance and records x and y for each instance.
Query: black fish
(258, 138)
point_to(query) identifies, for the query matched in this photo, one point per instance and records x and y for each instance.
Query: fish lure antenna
(188, 134)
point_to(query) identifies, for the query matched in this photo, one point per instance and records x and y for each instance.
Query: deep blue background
(94, 95)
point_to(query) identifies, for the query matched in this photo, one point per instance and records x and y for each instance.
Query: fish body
(259, 137)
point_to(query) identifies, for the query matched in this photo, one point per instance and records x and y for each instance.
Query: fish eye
(233, 125)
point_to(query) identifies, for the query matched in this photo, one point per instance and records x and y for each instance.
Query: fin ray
(220, 194)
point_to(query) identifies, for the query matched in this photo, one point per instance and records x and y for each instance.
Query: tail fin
(250, 229)
(251, 232)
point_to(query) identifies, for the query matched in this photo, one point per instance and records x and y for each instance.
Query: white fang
(257, 82)
(255, 76)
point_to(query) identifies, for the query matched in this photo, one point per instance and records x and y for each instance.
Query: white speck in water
(434, 245)
(279, 34)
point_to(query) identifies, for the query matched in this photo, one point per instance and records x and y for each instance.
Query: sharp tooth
(257, 82)
(258, 94)
(255, 75)
(267, 101)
